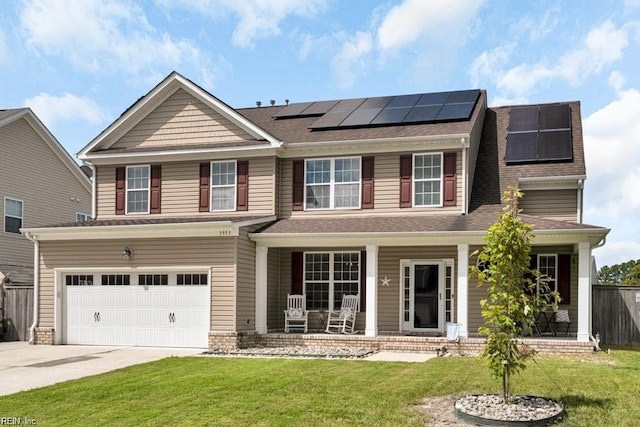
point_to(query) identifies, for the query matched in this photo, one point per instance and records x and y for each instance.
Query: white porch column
(584, 291)
(371, 326)
(462, 292)
(261, 289)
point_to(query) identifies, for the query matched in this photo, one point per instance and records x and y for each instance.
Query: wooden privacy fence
(17, 312)
(616, 314)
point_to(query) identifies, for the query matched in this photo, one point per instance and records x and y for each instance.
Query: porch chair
(296, 315)
(344, 321)
(562, 317)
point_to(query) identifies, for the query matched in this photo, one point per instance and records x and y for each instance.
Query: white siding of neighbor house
(181, 185)
(217, 253)
(386, 190)
(34, 174)
(182, 120)
(553, 204)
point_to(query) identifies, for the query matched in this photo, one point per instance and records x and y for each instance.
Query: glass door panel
(426, 296)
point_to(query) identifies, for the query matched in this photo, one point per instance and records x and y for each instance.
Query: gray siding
(217, 253)
(33, 173)
(553, 204)
(180, 190)
(182, 120)
(246, 279)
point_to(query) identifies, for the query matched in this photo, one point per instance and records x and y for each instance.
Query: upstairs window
(81, 217)
(223, 186)
(12, 215)
(427, 179)
(138, 178)
(332, 183)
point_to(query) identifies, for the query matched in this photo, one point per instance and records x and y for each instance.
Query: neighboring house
(208, 216)
(41, 184)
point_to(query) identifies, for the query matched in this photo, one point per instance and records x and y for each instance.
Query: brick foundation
(44, 336)
(231, 340)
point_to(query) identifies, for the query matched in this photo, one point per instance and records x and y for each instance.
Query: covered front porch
(390, 265)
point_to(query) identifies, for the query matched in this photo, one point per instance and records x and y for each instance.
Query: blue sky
(80, 63)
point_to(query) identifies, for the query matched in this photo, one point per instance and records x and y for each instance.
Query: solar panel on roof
(555, 145)
(403, 101)
(523, 119)
(391, 115)
(555, 117)
(455, 111)
(378, 102)
(337, 114)
(424, 113)
(292, 110)
(347, 105)
(361, 117)
(437, 98)
(522, 147)
(318, 108)
(462, 96)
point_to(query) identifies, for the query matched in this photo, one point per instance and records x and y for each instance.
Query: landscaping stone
(527, 410)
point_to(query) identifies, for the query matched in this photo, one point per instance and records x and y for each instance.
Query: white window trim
(331, 302)
(133, 273)
(332, 184)
(413, 180)
(127, 190)
(555, 280)
(235, 187)
(86, 216)
(4, 220)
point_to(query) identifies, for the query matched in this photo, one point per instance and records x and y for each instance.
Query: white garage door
(159, 310)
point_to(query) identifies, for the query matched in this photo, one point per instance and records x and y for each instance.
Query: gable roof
(156, 96)
(11, 115)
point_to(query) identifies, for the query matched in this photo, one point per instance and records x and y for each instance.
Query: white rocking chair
(296, 315)
(344, 321)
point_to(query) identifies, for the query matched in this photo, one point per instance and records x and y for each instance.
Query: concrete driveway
(24, 366)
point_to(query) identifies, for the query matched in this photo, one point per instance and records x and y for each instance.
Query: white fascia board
(377, 145)
(567, 182)
(182, 155)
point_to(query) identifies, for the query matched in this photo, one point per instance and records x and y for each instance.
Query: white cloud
(97, 35)
(435, 19)
(258, 19)
(4, 54)
(68, 107)
(617, 80)
(601, 48)
(350, 61)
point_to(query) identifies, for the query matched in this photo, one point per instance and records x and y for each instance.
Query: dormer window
(138, 178)
(332, 183)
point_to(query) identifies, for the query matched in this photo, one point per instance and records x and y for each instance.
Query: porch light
(127, 253)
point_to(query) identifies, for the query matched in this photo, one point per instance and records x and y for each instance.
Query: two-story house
(207, 217)
(40, 184)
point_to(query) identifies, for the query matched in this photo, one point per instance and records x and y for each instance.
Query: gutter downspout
(580, 196)
(36, 282)
(93, 188)
(465, 184)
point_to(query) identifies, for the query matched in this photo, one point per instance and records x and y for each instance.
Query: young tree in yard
(515, 292)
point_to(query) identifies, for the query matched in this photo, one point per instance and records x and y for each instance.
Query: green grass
(597, 389)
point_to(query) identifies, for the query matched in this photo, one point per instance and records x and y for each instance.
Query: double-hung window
(223, 186)
(138, 178)
(328, 276)
(427, 179)
(12, 215)
(332, 183)
(548, 268)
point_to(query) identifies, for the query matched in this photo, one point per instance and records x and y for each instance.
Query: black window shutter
(156, 178)
(367, 183)
(297, 272)
(449, 177)
(406, 166)
(120, 190)
(564, 278)
(363, 281)
(298, 185)
(205, 176)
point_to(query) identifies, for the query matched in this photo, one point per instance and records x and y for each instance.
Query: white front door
(163, 315)
(423, 296)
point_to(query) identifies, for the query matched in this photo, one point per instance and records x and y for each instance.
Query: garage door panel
(167, 316)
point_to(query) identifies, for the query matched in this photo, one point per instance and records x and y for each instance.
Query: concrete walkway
(24, 366)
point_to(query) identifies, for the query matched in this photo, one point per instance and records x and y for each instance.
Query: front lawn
(597, 389)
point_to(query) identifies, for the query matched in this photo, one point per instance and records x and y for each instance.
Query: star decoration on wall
(385, 281)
